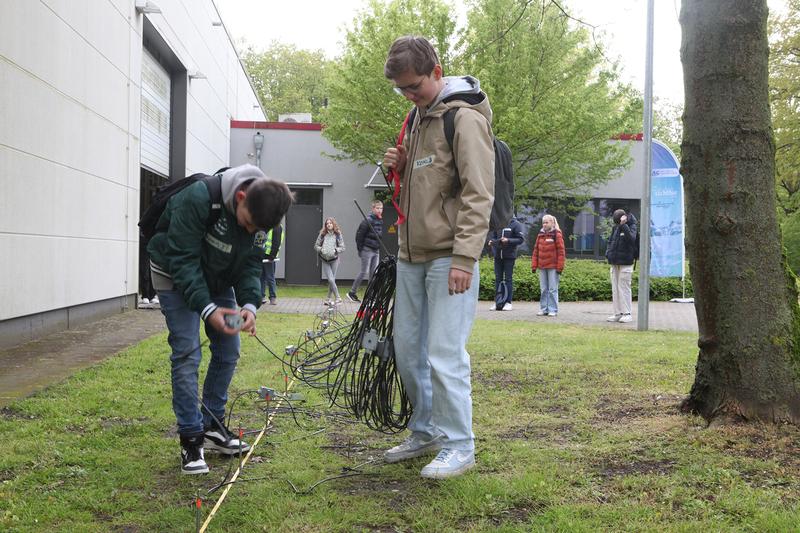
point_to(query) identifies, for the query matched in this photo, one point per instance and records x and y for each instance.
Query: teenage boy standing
(447, 197)
(196, 265)
(368, 244)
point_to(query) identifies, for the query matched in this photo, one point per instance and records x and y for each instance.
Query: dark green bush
(582, 280)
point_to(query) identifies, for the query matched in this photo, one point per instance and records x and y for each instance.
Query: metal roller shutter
(155, 124)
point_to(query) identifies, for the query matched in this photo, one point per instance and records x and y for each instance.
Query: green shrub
(582, 280)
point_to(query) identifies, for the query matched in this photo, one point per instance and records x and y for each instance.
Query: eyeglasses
(414, 88)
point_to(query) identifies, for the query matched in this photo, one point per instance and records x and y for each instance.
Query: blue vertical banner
(666, 215)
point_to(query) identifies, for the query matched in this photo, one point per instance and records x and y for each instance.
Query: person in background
(271, 249)
(368, 243)
(503, 244)
(204, 274)
(621, 254)
(329, 245)
(548, 258)
(440, 243)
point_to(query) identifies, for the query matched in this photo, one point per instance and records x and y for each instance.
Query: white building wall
(69, 140)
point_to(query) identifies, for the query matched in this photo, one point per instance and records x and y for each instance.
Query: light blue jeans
(548, 283)
(184, 339)
(431, 329)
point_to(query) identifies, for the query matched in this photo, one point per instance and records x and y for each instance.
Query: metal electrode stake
(197, 504)
(241, 436)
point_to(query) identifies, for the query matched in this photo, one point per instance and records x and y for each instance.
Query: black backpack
(503, 207)
(149, 219)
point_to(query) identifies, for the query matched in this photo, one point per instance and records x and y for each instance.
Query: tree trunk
(745, 296)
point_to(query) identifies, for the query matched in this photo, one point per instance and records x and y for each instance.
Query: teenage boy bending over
(195, 268)
(447, 197)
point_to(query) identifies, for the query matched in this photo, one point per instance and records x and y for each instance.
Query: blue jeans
(184, 339)
(504, 271)
(268, 279)
(548, 283)
(431, 328)
(369, 262)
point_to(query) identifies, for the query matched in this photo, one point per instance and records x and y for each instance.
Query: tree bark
(745, 295)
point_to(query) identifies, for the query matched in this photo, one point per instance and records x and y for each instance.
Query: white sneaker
(144, 301)
(626, 318)
(413, 446)
(449, 463)
(508, 307)
(541, 313)
(552, 314)
(493, 308)
(614, 318)
(154, 300)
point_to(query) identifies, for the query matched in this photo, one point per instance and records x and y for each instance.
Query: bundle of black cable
(315, 355)
(363, 377)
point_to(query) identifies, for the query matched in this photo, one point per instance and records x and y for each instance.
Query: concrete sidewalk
(33, 366)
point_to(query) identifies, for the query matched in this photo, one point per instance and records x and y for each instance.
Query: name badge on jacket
(424, 162)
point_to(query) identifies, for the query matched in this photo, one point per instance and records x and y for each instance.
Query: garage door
(156, 90)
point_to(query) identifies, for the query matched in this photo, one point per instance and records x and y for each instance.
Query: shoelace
(445, 456)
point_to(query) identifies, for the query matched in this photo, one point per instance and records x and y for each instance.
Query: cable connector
(291, 349)
(266, 394)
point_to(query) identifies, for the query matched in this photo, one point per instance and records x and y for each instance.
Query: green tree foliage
(364, 114)
(556, 100)
(784, 66)
(288, 80)
(668, 125)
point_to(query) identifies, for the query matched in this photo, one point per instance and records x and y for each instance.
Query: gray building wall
(297, 154)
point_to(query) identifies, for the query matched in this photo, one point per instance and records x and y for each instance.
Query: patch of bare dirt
(518, 513)
(506, 380)
(558, 434)
(10, 413)
(618, 467)
(613, 408)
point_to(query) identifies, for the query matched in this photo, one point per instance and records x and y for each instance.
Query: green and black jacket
(203, 261)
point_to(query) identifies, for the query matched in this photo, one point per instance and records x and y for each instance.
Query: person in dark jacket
(621, 254)
(196, 266)
(503, 243)
(368, 244)
(271, 249)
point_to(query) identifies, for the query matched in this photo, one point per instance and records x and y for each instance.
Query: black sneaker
(353, 297)
(222, 440)
(192, 459)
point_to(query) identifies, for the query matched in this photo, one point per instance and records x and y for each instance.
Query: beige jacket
(443, 218)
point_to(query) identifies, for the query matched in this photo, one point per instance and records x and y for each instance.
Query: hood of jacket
(233, 179)
(460, 91)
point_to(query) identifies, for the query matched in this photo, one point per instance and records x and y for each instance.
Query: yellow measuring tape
(244, 462)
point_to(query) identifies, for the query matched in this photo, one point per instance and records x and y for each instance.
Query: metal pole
(644, 224)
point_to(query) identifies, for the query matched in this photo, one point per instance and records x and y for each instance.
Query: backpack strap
(214, 186)
(450, 128)
(449, 134)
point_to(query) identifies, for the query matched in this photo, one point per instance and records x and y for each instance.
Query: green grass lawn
(577, 430)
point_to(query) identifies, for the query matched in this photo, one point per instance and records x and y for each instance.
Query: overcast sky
(620, 24)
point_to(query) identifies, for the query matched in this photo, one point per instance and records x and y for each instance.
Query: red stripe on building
(628, 137)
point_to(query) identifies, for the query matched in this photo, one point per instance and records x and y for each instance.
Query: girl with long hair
(329, 245)
(548, 257)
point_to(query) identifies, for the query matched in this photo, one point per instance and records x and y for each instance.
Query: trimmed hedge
(582, 280)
